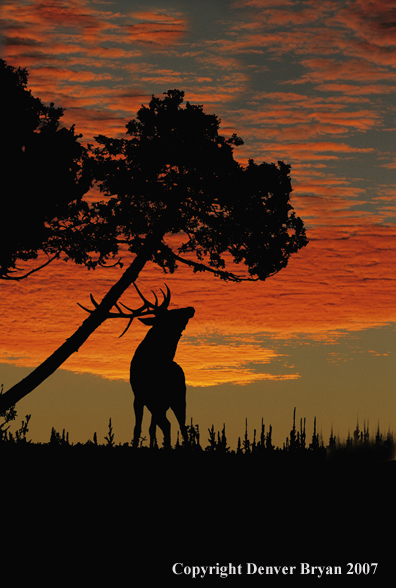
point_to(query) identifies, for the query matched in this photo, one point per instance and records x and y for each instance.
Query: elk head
(167, 320)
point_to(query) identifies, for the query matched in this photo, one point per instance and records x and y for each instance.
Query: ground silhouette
(142, 510)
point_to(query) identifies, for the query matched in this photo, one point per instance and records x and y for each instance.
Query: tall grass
(360, 444)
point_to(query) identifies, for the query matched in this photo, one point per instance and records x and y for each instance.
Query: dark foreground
(88, 516)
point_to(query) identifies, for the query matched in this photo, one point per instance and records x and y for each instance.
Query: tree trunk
(94, 320)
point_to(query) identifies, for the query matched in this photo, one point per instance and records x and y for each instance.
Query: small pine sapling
(110, 437)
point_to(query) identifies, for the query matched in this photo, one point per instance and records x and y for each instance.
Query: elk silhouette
(157, 381)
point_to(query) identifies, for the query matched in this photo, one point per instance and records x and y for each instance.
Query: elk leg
(153, 432)
(138, 407)
(180, 414)
(165, 427)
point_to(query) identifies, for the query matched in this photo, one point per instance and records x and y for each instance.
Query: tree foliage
(172, 167)
(43, 176)
(175, 166)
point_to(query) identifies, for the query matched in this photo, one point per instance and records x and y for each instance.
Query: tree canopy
(43, 174)
(175, 166)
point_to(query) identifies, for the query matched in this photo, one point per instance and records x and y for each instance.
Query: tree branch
(18, 278)
(201, 267)
(117, 263)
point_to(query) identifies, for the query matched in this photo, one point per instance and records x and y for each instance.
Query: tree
(175, 174)
(43, 177)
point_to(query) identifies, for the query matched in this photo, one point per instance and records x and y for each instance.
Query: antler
(155, 307)
(147, 308)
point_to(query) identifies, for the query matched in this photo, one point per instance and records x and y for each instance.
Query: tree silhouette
(43, 177)
(175, 174)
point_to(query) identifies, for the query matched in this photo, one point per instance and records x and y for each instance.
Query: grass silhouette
(359, 447)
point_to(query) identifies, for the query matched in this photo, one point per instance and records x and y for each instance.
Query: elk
(157, 381)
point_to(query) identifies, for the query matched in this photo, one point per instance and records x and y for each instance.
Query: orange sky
(310, 83)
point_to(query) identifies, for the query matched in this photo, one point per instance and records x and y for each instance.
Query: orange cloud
(353, 90)
(287, 118)
(372, 20)
(362, 30)
(64, 43)
(353, 69)
(310, 151)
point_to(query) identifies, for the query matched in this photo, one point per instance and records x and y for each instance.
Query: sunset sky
(310, 83)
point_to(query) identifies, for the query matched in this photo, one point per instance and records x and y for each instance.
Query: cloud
(287, 116)
(356, 90)
(309, 151)
(64, 43)
(208, 365)
(263, 3)
(372, 20)
(354, 69)
(156, 28)
(364, 30)
(78, 20)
